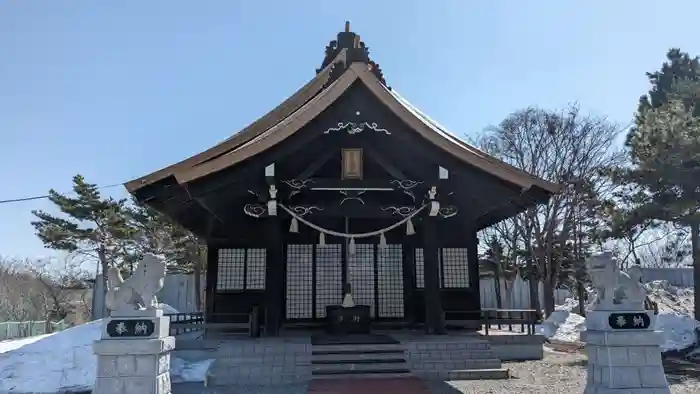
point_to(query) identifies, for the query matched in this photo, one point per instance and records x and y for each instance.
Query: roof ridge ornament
(356, 51)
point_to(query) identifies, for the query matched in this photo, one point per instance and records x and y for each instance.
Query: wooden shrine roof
(309, 102)
(262, 124)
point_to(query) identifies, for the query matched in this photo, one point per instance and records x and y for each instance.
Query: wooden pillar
(434, 316)
(473, 267)
(408, 255)
(273, 276)
(212, 274)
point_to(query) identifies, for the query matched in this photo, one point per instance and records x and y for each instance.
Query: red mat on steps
(368, 386)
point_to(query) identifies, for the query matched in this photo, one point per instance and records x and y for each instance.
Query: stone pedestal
(624, 355)
(133, 355)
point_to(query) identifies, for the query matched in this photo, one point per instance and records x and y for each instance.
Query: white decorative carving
(349, 197)
(402, 211)
(254, 210)
(298, 184)
(138, 291)
(448, 211)
(356, 128)
(406, 185)
(615, 290)
(273, 192)
(303, 210)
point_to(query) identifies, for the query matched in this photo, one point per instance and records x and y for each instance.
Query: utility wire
(23, 199)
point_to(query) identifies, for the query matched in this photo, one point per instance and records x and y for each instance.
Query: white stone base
(134, 365)
(623, 361)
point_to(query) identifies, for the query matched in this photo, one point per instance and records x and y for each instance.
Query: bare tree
(22, 297)
(568, 148)
(48, 290)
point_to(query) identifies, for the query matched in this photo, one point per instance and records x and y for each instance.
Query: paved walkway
(368, 386)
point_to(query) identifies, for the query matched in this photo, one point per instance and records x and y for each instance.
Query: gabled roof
(423, 125)
(343, 66)
(270, 119)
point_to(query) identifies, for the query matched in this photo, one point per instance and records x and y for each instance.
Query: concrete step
(383, 375)
(467, 374)
(349, 357)
(447, 365)
(356, 351)
(354, 367)
(365, 348)
(457, 355)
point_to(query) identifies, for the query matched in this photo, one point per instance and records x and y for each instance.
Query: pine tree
(89, 225)
(663, 181)
(159, 234)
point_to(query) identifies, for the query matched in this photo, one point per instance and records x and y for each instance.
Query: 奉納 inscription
(130, 328)
(629, 321)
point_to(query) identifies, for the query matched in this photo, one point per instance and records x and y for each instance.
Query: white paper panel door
(390, 281)
(299, 282)
(329, 277)
(361, 276)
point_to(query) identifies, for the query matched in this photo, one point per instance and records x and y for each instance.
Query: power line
(32, 198)
(23, 199)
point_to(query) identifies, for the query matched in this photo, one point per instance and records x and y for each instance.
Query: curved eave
(427, 128)
(261, 125)
(278, 133)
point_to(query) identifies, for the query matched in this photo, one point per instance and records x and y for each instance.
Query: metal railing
(514, 320)
(195, 321)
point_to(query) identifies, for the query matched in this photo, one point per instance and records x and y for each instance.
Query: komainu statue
(138, 291)
(616, 290)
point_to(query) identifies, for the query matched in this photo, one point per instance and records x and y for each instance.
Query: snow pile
(563, 326)
(64, 361)
(676, 311)
(188, 371)
(675, 318)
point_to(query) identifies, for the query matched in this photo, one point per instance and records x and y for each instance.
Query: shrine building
(345, 182)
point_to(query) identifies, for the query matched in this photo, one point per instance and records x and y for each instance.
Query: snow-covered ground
(675, 319)
(64, 360)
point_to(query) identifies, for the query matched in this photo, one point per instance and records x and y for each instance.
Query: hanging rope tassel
(409, 228)
(294, 226)
(321, 239)
(382, 241)
(351, 246)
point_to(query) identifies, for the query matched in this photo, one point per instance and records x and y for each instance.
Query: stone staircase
(454, 358)
(286, 361)
(357, 360)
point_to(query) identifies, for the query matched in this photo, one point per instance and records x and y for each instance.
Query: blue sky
(114, 90)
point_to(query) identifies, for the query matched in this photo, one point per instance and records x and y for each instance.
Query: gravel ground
(557, 373)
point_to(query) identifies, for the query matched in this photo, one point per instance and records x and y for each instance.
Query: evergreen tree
(663, 181)
(159, 234)
(89, 225)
